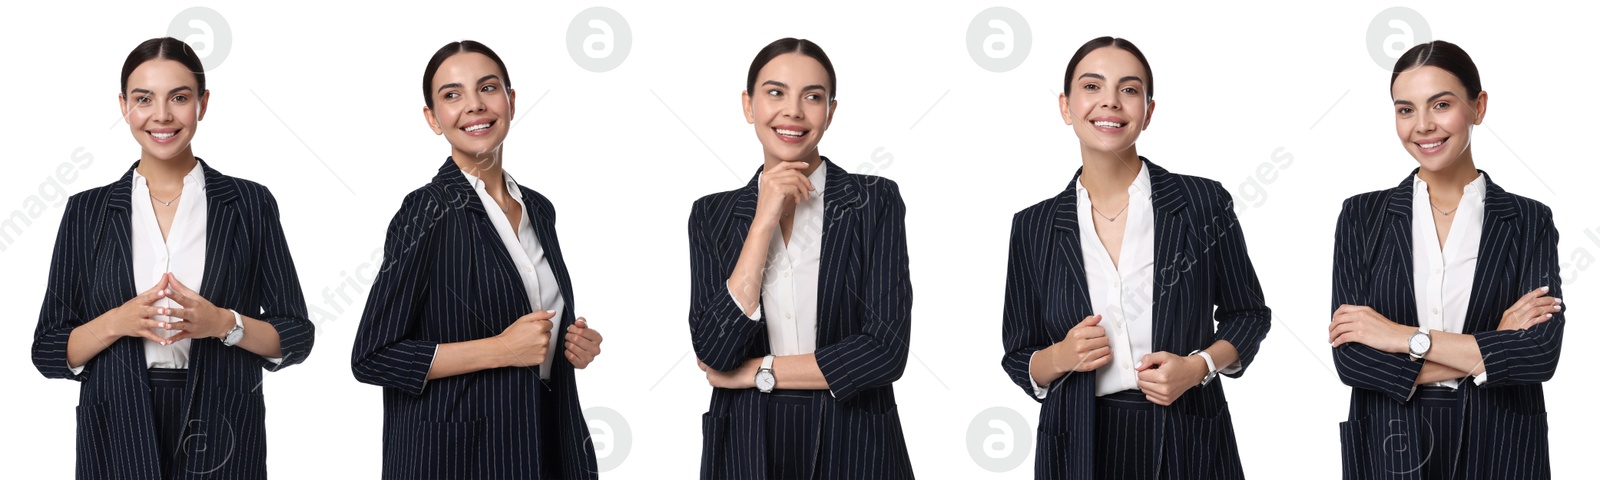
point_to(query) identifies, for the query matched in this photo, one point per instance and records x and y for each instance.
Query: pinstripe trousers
(793, 427)
(1122, 441)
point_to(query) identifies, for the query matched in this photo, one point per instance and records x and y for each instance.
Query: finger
(180, 326)
(1535, 321)
(592, 335)
(1096, 362)
(1094, 331)
(1533, 294)
(181, 335)
(539, 315)
(1090, 320)
(178, 313)
(150, 335)
(1094, 343)
(575, 347)
(1343, 338)
(147, 323)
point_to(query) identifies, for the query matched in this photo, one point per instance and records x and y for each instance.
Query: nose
(1111, 102)
(475, 103)
(163, 112)
(791, 109)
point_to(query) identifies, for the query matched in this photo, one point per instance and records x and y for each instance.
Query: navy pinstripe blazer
(448, 278)
(863, 329)
(1203, 271)
(247, 268)
(1505, 432)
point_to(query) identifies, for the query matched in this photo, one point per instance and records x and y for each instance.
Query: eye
(1091, 86)
(142, 100)
(489, 88)
(180, 98)
(1403, 111)
(774, 93)
(813, 97)
(1130, 90)
(1441, 105)
(451, 95)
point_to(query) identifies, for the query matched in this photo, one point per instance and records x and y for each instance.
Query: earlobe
(833, 106)
(1066, 112)
(205, 99)
(433, 122)
(1483, 107)
(1149, 113)
(749, 112)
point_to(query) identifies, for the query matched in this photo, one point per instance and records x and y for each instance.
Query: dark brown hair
(167, 48)
(791, 45)
(1113, 42)
(450, 50)
(1446, 56)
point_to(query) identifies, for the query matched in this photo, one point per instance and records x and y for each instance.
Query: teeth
(1431, 145)
(477, 127)
(1108, 124)
(163, 136)
(792, 133)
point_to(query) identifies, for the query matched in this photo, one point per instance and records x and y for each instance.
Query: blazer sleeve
(1241, 309)
(876, 355)
(1022, 332)
(1361, 366)
(385, 352)
(719, 329)
(63, 308)
(1528, 356)
(283, 304)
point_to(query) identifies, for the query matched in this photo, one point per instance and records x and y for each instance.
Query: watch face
(765, 381)
(1420, 343)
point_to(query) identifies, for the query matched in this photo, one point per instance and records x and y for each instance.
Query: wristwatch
(237, 332)
(1420, 343)
(1211, 366)
(764, 379)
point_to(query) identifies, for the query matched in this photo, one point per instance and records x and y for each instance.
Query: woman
(1443, 388)
(800, 309)
(170, 290)
(1110, 293)
(478, 381)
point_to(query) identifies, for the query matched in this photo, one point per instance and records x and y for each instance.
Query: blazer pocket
(887, 435)
(1355, 455)
(447, 449)
(713, 444)
(1518, 445)
(94, 440)
(1200, 442)
(1054, 453)
(227, 436)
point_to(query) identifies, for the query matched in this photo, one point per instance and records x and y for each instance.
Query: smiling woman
(1447, 308)
(179, 363)
(469, 328)
(800, 345)
(1111, 291)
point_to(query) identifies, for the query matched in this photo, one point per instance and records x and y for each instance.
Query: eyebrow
(457, 85)
(169, 92)
(784, 85)
(1435, 96)
(1102, 77)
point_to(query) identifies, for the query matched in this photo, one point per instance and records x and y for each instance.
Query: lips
(163, 135)
(478, 127)
(1431, 145)
(1108, 123)
(790, 133)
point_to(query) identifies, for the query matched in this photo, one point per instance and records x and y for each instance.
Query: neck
(1109, 172)
(166, 172)
(487, 168)
(1453, 179)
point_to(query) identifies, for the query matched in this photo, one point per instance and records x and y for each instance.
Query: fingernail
(1548, 315)
(1137, 365)
(1558, 308)
(1558, 301)
(1545, 288)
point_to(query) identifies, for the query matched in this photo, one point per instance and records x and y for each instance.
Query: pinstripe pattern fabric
(447, 278)
(863, 330)
(1504, 429)
(247, 268)
(1123, 423)
(1203, 272)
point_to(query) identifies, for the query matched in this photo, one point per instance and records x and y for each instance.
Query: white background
(320, 102)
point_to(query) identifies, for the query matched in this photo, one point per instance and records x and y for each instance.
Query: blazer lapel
(1493, 252)
(1398, 230)
(1174, 259)
(1069, 249)
(485, 241)
(115, 237)
(839, 230)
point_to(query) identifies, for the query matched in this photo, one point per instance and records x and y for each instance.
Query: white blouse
(1443, 276)
(183, 253)
(522, 245)
(790, 282)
